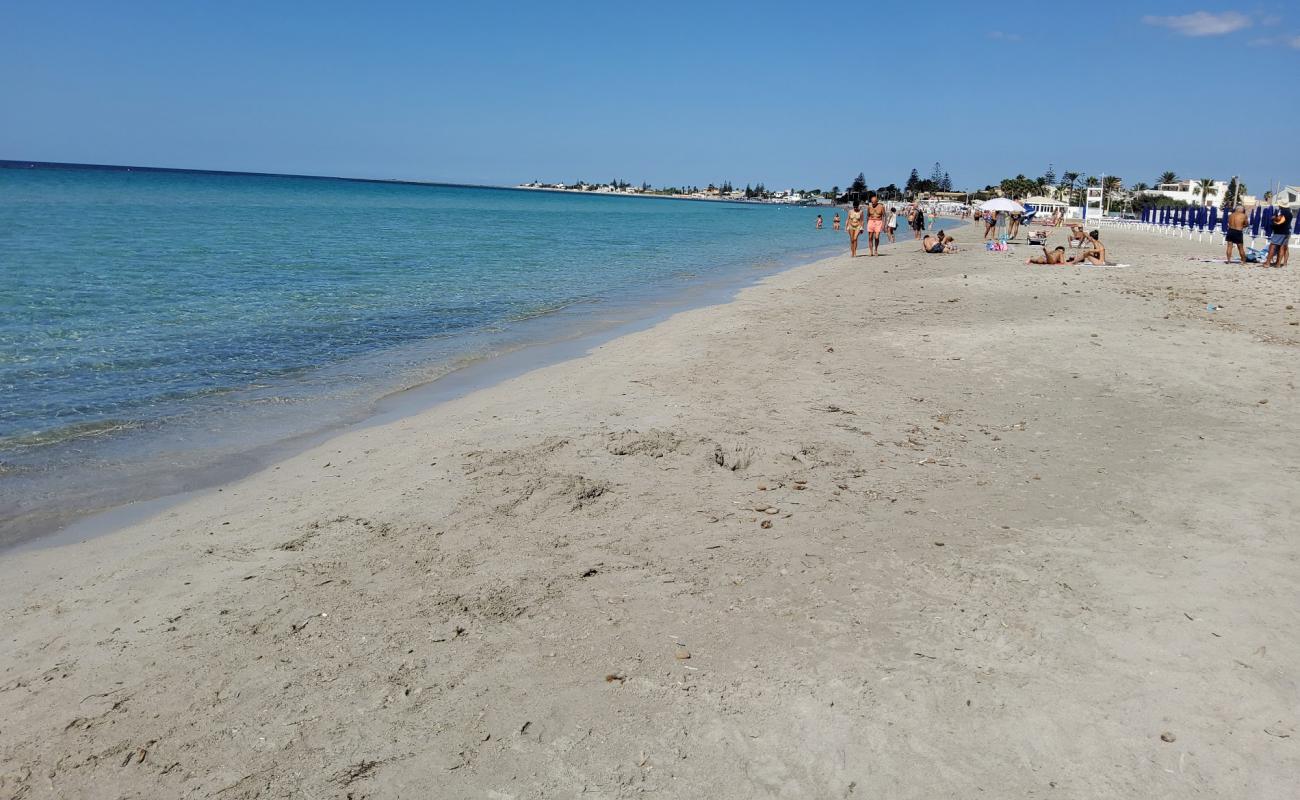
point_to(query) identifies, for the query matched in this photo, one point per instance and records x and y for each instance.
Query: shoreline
(915, 525)
(558, 336)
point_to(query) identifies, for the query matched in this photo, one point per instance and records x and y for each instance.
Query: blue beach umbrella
(1164, 216)
(1214, 218)
(1254, 221)
(1203, 219)
(1266, 221)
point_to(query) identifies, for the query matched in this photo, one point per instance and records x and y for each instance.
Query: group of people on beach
(1091, 251)
(876, 219)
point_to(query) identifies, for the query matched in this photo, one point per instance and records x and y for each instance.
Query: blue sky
(800, 94)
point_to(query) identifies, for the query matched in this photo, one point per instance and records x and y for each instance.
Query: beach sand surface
(911, 526)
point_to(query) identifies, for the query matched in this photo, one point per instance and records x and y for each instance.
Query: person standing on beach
(1236, 233)
(1013, 226)
(819, 222)
(1279, 241)
(990, 223)
(875, 225)
(918, 223)
(892, 224)
(854, 227)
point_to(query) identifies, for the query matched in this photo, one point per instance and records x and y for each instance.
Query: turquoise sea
(154, 323)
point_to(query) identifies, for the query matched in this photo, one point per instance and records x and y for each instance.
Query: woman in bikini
(1056, 256)
(835, 223)
(854, 227)
(1095, 255)
(990, 223)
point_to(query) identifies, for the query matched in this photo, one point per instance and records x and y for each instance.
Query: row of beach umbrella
(1202, 219)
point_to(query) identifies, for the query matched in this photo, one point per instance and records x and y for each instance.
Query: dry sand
(906, 527)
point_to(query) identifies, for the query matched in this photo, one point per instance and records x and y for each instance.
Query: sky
(789, 94)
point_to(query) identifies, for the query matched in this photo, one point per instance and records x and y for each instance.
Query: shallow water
(151, 318)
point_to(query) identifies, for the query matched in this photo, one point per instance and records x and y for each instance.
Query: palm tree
(1140, 187)
(1205, 186)
(1167, 177)
(1113, 186)
(1067, 180)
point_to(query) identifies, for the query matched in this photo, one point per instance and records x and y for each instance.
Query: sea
(162, 331)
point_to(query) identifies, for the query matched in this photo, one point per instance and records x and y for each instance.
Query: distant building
(1188, 192)
(1287, 196)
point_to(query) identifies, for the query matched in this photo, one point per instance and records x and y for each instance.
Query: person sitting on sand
(1095, 253)
(938, 244)
(1056, 256)
(1077, 237)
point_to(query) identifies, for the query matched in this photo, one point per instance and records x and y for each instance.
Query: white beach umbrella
(1002, 204)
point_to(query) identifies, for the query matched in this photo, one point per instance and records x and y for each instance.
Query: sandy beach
(909, 526)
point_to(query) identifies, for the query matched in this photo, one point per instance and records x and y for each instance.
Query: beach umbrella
(1164, 216)
(1002, 204)
(1254, 221)
(1266, 221)
(1203, 218)
(1214, 218)
(1146, 215)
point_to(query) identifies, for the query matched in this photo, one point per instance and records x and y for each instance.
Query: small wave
(67, 433)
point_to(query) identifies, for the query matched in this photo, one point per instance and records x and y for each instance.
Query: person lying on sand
(1095, 252)
(1056, 256)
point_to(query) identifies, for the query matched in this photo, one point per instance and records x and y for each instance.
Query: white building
(1188, 192)
(1288, 196)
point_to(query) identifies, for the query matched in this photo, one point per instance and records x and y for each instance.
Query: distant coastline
(7, 163)
(10, 163)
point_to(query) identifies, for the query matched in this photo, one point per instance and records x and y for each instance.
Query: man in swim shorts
(875, 224)
(1236, 233)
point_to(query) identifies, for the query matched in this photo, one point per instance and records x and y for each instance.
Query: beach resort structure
(1190, 193)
